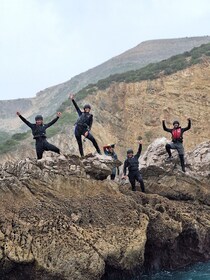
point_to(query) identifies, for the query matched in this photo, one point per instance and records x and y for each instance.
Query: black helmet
(176, 122)
(39, 117)
(87, 106)
(129, 151)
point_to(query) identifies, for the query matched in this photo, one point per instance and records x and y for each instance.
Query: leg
(132, 181)
(182, 162)
(79, 142)
(168, 149)
(50, 147)
(180, 150)
(95, 144)
(112, 177)
(140, 180)
(39, 149)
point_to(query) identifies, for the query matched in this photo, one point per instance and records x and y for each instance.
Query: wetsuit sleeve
(165, 128)
(77, 107)
(188, 127)
(125, 167)
(91, 122)
(25, 121)
(52, 122)
(139, 151)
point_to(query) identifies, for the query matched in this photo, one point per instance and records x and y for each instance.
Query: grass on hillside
(151, 71)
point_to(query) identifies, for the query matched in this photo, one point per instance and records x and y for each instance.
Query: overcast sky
(46, 42)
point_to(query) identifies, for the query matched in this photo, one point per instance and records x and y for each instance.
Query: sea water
(200, 271)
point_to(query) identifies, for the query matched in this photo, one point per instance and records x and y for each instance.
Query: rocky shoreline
(61, 220)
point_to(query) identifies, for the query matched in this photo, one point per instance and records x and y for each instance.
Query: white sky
(46, 42)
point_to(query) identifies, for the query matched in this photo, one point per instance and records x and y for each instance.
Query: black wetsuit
(177, 142)
(39, 133)
(84, 124)
(133, 167)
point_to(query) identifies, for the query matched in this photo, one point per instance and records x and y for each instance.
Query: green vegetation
(67, 118)
(4, 136)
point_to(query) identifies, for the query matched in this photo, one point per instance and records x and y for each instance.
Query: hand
(59, 114)
(124, 177)
(71, 96)
(86, 134)
(18, 113)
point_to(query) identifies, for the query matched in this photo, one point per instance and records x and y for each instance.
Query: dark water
(200, 271)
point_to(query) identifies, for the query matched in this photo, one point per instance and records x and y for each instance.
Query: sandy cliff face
(125, 111)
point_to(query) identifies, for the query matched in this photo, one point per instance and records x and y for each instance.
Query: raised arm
(165, 128)
(53, 121)
(188, 126)
(24, 120)
(75, 105)
(139, 150)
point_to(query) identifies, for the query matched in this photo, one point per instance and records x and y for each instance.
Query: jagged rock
(100, 166)
(94, 166)
(197, 161)
(57, 223)
(167, 179)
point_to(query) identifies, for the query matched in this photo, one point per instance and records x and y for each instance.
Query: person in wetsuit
(39, 134)
(109, 151)
(83, 126)
(132, 163)
(177, 140)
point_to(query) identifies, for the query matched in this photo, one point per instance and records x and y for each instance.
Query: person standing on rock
(83, 126)
(39, 134)
(132, 163)
(109, 151)
(177, 140)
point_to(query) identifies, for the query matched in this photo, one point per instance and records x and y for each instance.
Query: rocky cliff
(58, 221)
(125, 111)
(48, 100)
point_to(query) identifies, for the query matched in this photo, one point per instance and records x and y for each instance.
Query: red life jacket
(177, 133)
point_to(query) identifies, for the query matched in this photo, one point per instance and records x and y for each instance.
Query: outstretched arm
(53, 121)
(188, 126)
(24, 120)
(75, 105)
(165, 128)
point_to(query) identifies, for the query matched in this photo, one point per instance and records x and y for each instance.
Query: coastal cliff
(62, 219)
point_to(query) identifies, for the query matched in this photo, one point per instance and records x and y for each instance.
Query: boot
(182, 162)
(168, 150)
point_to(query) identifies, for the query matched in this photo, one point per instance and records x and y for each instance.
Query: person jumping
(177, 140)
(83, 126)
(132, 163)
(39, 134)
